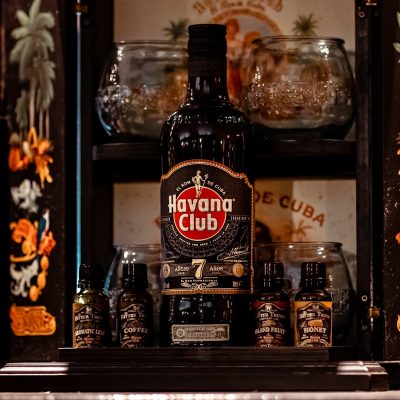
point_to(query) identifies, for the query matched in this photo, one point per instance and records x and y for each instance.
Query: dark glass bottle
(271, 308)
(206, 205)
(312, 308)
(134, 308)
(90, 325)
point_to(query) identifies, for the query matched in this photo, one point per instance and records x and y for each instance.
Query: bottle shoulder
(313, 295)
(134, 296)
(273, 295)
(212, 112)
(91, 296)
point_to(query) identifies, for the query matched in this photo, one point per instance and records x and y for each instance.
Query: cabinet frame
(363, 161)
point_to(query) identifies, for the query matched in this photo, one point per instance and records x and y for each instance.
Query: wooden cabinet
(140, 161)
(94, 165)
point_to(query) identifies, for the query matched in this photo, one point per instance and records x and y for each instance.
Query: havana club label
(206, 229)
(200, 333)
(313, 323)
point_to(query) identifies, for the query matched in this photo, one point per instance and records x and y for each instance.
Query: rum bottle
(206, 206)
(90, 325)
(134, 308)
(271, 308)
(312, 308)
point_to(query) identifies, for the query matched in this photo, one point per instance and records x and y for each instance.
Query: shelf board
(195, 370)
(207, 355)
(273, 158)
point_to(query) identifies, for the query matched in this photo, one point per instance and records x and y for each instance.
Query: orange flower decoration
(16, 158)
(42, 162)
(24, 229)
(15, 162)
(47, 244)
(24, 232)
(40, 149)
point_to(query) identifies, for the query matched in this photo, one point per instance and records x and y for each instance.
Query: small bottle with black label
(312, 308)
(271, 308)
(90, 325)
(134, 308)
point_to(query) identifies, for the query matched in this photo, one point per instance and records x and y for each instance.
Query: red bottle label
(271, 323)
(206, 229)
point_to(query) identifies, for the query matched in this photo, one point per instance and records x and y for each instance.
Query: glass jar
(299, 87)
(339, 285)
(143, 82)
(148, 254)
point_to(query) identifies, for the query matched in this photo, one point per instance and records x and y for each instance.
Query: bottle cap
(91, 273)
(136, 273)
(273, 270)
(273, 274)
(207, 39)
(313, 270)
(84, 272)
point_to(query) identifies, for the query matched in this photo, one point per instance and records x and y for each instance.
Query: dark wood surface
(393, 370)
(273, 158)
(200, 375)
(217, 355)
(388, 273)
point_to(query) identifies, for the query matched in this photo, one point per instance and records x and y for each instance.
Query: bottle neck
(207, 79)
(308, 284)
(133, 285)
(272, 285)
(85, 284)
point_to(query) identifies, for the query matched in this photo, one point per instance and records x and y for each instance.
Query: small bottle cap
(84, 272)
(136, 273)
(273, 275)
(91, 273)
(273, 270)
(207, 39)
(313, 270)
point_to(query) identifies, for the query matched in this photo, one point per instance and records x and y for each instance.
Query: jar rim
(304, 243)
(298, 38)
(136, 246)
(151, 42)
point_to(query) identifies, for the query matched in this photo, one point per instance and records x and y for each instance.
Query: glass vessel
(299, 87)
(148, 254)
(143, 82)
(339, 285)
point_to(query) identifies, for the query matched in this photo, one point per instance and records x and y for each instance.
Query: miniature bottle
(312, 308)
(134, 308)
(271, 308)
(90, 310)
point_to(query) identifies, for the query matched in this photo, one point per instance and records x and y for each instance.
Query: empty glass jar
(143, 82)
(300, 87)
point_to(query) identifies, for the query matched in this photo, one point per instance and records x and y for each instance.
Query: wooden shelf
(273, 158)
(196, 370)
(213, 355)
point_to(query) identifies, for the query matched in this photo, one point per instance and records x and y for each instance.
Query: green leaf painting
(31, 52)
(176, 30)
(396, 45)
(305, 25)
